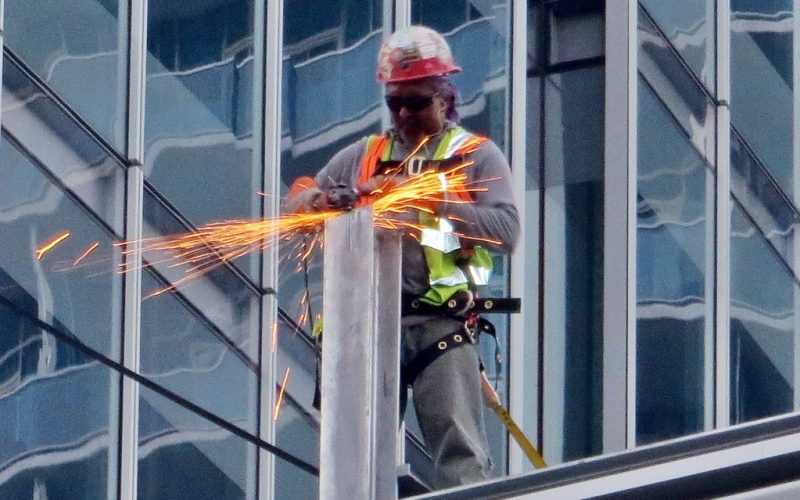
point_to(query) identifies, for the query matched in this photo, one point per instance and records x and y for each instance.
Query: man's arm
(493, 214)
(309, 195)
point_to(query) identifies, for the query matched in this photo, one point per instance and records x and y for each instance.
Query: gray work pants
(449, 405)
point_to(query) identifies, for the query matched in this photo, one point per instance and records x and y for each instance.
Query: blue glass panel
(671, 274)
(330, 97)
(763, 320)
(58, 433)
(761, 82)
(53, 139)
(767, 205)
(182, 455)
(83, 295)
(201, 341)
(574, 207)
(185, 355)
(201, 152)
(689, 25)
(80, 49)
(297, 433)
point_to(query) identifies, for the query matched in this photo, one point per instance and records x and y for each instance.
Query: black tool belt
(459, 304)
(466, 334)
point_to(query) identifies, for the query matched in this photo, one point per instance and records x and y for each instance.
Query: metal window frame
(619, 267)
(134, 194)
(796, 184)
(271, 151)
(402, 13)
(524, 326)
(723, 217)
(2, 41)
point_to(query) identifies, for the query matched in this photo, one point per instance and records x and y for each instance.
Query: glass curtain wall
(764, 326)
(79, 48)
(762, 35)
(479, 35)
(564, 211)
(202, 164)
(60, 301)
(201, 153)
(674, 244)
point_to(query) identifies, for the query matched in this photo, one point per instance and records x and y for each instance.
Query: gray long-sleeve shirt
(493, 215)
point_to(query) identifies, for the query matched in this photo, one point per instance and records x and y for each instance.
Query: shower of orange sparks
(51, 244)
(274, 336)
(280, 395)
(86, 253)
(214, 244)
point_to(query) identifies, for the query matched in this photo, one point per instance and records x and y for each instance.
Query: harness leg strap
(430, 354)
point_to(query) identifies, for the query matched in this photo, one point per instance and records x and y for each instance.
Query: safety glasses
(412, 103)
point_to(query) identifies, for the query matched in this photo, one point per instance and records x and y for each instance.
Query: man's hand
(305, 196)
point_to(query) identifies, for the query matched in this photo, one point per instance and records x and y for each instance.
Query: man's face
(416, 109)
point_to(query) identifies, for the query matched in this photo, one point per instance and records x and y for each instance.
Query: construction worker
(439, 361)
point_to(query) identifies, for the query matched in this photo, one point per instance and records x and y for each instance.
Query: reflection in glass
(574, 207)
(184, 354)
(227, 305)
(202, 341)
(297, 433)
(56, 432)
(672, 346)
(763, 324)
(761, 82)
(52, 138)
(199, 130)
(689, 26)
(767, 205)
(182, 455)
(82, 295)
(87, 67)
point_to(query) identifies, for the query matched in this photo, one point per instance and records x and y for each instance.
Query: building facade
(654, 146)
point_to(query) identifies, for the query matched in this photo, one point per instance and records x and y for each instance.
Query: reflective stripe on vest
(443, 252)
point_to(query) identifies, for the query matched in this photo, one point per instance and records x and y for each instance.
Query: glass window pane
(673, 347)
(297, 432)
(183, 354)
(58, 409)
(761, 82)
(574, 207)
(689, 26)
(80, 49)
(45, 236)
(200, 149)
(763, 324)
(182, 455)
(53, 139)
(202, 341)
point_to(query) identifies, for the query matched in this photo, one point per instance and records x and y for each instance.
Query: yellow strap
(527, 448)
(493, 401)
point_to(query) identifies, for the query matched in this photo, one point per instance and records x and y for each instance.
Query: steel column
(360, 361)
(134, 192)
(619, 255)
(523, 332)
(722, 362)
(269, 50)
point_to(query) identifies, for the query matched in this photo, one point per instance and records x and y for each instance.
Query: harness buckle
(471, 332)
(415, 165)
